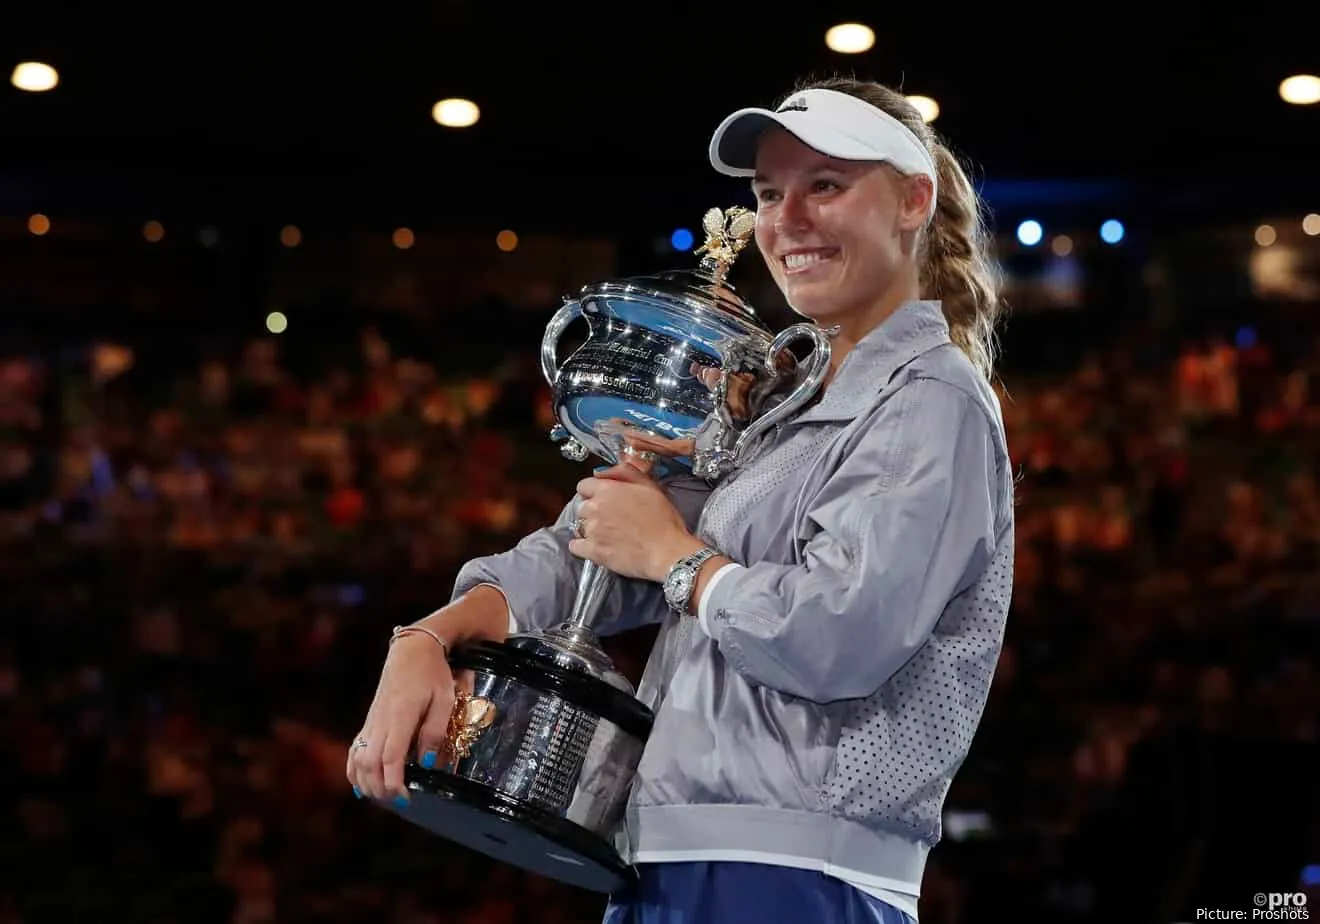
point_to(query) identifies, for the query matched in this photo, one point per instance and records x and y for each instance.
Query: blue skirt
(744, 893)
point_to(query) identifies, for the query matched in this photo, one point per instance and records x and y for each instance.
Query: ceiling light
(34, 77)
(850, 38)
(455, 113)
(929, 109)
(1300, 90)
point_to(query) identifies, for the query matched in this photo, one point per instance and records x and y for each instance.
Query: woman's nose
(793, 214)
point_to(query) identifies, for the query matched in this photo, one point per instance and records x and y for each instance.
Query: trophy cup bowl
(544, 748)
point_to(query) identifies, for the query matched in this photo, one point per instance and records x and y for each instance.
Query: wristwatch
(682, 580)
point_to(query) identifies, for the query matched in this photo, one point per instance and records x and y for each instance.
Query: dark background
(207, 529)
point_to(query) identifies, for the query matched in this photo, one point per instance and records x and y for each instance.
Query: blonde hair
(956, 264)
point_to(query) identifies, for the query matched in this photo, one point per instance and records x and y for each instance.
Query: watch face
(680, 587)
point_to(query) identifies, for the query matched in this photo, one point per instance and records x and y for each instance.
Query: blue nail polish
(357, 792)
(600, 469)
(401, 801)
(428, 760)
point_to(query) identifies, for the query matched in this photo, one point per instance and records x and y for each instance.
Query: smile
(806, 259)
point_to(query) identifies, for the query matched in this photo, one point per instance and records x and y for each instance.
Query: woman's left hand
(630, 526)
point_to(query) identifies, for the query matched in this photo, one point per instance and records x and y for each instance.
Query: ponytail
(956, 266)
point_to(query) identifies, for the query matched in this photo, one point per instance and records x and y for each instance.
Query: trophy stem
(593, 586)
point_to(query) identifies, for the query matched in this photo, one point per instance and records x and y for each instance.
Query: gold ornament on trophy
(727, 233)
(472, 715)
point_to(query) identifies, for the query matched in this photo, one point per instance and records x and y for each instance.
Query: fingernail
(428, 760)
(357, 792)
(401, 801)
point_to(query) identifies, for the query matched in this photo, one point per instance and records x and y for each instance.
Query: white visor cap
(833, 123)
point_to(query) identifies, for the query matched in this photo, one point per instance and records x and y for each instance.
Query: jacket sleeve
(907, 522)
(539, 576)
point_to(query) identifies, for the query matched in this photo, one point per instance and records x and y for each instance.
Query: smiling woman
(831, 620)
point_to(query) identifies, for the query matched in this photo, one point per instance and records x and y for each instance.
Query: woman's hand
(413, 702)
(627, 524)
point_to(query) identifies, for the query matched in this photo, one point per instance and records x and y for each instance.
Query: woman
(833, 652)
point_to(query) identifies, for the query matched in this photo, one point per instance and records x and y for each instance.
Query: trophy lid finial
(727, 233)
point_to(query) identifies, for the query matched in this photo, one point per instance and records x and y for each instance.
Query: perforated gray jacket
(817, 711)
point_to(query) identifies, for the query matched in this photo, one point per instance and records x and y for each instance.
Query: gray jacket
(816, 713)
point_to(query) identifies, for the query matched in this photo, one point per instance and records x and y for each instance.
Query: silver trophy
(678, 376)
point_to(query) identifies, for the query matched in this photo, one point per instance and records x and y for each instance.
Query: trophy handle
(570, 312)
(818, 368)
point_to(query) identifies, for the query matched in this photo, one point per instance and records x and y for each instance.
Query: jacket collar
(915, 328)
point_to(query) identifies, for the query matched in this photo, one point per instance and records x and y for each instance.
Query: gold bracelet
(400, 631)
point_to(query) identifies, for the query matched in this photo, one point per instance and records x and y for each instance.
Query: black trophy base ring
(506, 829)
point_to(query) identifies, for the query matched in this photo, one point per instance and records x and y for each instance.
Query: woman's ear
(915, 194)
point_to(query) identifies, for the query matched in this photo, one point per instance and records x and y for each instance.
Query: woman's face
(836, 234)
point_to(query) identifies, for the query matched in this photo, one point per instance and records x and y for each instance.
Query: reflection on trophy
(674, 376)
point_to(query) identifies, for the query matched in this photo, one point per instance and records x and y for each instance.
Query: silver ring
(580, 528)
(360, 743)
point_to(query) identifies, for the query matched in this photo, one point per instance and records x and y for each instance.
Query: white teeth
(799, 260)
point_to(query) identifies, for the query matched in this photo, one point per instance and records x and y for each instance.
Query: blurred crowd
(202, 559)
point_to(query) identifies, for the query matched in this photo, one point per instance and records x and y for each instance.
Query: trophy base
(510, 831)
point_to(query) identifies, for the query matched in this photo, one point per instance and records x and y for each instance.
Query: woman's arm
(538, 577)
(908, 522)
